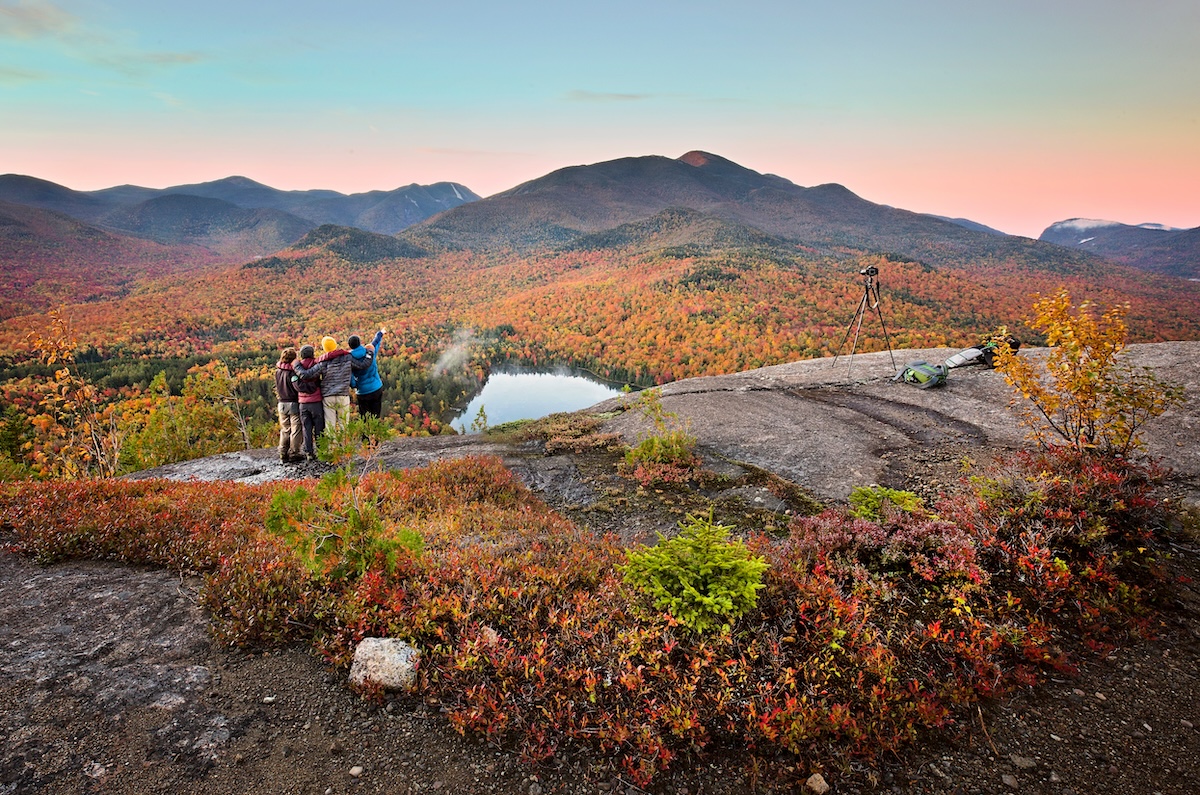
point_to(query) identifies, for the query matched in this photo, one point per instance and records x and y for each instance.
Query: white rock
(816, 783)
(356, 771)
(385, 662)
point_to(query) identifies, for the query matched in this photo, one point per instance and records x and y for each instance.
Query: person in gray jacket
(334, 366)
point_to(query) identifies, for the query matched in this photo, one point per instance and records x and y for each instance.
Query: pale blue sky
(1015, 114)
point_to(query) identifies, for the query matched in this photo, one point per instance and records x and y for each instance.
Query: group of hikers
(314, 391)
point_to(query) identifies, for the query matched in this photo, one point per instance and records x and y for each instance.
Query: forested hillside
(642, 270)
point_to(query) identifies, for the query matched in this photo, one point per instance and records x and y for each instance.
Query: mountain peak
(715, 163)
(239, 182)
(701, 159)
(1083, 224)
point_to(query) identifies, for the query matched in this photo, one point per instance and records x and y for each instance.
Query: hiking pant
(371, 403)
(291, 431)
(312, 419)
(337, 411)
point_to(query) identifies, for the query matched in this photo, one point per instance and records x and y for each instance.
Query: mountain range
(704, 200)
(235, 216)
(645, 223)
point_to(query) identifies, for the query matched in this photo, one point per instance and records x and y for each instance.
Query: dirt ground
(109, 683)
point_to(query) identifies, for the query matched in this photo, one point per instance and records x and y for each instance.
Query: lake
(523, 395)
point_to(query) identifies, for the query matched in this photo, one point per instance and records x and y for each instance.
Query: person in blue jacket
(365, 374)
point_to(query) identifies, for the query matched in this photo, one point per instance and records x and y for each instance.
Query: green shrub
(665, 455)
(700, 577)
(359, 437)
(867, 501)
(338, 531)
(13, 470)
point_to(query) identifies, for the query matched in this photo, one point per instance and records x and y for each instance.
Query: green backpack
(922, 374)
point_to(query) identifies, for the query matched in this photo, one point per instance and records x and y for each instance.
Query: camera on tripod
(868, 305)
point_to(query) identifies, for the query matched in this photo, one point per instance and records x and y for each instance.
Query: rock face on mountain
(831, 426)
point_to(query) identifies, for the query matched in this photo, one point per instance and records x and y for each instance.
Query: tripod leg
(854, 346)
(862, 305)
(886, 338)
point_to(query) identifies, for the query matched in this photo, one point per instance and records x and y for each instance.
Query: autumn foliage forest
(627, 315)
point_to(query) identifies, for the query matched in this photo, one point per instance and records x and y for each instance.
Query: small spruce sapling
(867, 501)
(700, 577)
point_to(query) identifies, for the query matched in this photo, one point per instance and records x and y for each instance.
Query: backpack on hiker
(922, 374)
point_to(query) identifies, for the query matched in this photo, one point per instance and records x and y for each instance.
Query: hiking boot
(310, 457)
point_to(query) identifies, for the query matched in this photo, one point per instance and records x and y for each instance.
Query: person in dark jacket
(291, 433)
(365, 373)
(333, 367)
(312, 411)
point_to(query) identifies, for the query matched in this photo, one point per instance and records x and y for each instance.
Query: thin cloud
(10, 75)
(32, 19)
(133, 64)
(581, 95)
(29, 20)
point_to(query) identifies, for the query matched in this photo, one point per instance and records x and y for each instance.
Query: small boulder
(384, 662)
(1023, 762)
(816, 783)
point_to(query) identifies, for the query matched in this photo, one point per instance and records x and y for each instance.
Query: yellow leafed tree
(79, 437)
(1084, 393)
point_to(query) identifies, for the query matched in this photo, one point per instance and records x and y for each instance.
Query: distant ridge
(972, 225)
(48, 258)
(212, 223)
(384, 212)
(44, 195)
(1149, 247)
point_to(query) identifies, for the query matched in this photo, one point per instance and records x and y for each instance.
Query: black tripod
(870, 301)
